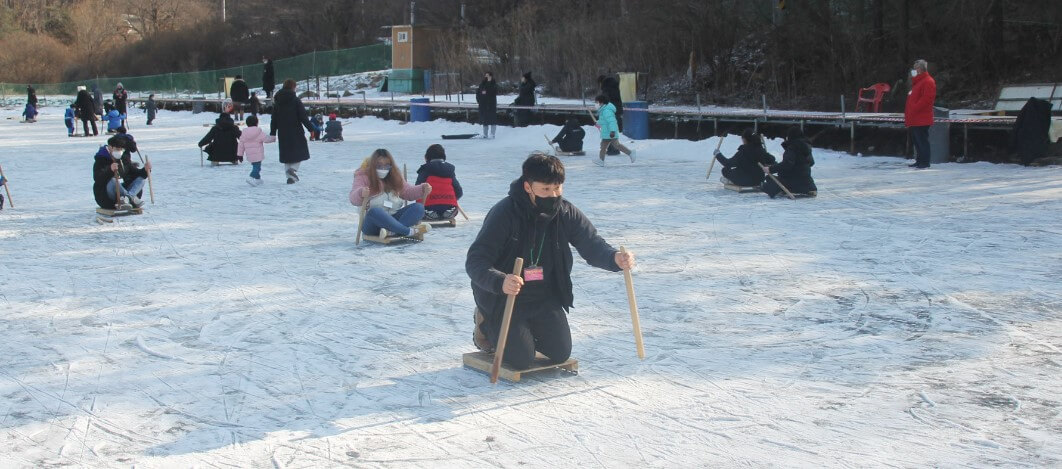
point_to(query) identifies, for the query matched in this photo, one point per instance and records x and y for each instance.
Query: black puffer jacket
(742, 169)
(222, 140)
(86, 107)
(795, 169)
(526, 96)
(506, 234)
(239, 92)
(570, 137)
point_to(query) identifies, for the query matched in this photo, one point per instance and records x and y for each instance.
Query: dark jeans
(920, 139)
(541, 327)
(85, 124)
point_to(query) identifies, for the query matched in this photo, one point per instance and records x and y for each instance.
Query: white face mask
(382, 173)
(914, 73)
(116, 154)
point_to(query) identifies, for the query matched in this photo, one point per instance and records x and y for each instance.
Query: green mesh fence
(300, 67)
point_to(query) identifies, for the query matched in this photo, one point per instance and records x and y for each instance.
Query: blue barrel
(636, 119)
(419, 112)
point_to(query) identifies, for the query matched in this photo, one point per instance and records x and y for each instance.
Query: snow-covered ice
(902, 318)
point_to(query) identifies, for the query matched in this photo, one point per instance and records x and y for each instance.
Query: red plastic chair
(879, 90)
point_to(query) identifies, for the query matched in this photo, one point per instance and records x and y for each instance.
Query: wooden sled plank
(459, 136)
(444, 223)
(482, 361)
(571, 153)
(741, 189)
(382, 238)
(118, 213)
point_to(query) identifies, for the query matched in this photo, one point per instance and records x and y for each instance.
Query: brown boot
(479, 336)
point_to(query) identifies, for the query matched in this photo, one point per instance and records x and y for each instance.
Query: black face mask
(547, 205)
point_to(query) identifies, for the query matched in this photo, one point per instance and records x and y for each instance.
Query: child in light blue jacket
(606, 121)
(114, 120)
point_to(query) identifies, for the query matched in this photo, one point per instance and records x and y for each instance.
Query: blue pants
(69, 126)
(134, 188)
(398, 223)
(256, 170)
(920, 138)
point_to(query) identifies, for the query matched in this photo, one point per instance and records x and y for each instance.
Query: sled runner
(106, 215)
(459, 136)
(442, 222)
(741, 189)
(383, 238)
(570, 153)
(482, 361)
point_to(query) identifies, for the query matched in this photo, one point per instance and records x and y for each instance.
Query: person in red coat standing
(918, 113)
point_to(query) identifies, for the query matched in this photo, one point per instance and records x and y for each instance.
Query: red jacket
(442, 192)
(919, 109)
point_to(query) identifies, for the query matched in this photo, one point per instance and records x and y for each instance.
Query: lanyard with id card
(534, 272)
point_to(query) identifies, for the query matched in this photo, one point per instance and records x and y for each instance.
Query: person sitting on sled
(109, 161)
(534, 223)
(445, 190)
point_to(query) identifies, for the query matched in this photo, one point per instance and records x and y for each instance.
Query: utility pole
(223, 11)
(412, 11)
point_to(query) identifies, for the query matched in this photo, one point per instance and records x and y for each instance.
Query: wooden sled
(107, 215)
(459, 136)
(441, 223)
(741, 189)
(383, 238)
(482, 361)
(570, 153)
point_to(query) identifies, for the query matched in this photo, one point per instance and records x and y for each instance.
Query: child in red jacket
(445, 190)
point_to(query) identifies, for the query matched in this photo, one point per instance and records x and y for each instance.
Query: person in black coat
(254, 105)
(526, 97)
(1030, 138)
(795, 169)
(86, 111)
(151, 108)
(289, 118)
(268, 78)
(97, 100)
(570, 138)
(31, 95)
(743, 168)
(240, 94)
(534, 223)
(221, 141)
(445, 189)
(120, 100)
(487, 98)
(114, 158)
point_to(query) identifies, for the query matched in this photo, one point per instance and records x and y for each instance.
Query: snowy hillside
(902, 318)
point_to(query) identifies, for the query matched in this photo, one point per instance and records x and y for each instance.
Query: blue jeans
(134, 188)
(398, 223)
(256, 170)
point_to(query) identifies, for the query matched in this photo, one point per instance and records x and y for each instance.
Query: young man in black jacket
(534, 223)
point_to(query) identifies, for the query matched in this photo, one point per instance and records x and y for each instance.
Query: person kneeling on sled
(743, 168)
(30, 113)
(333, 129)
(570, 138)
(220, 143)
(378, 181)
(534, 223)
(113, 159)
(114, 120)
(318, 127)
(445, 190)
(794, 172)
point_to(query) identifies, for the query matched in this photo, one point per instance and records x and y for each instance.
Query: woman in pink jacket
(380, 183)
(251, 146)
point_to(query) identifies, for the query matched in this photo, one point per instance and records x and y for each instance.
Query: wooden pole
(507, 318)
(550, 142)
(776, 181)
(117, 191)
(200, 157)
(151, 187)
(6, 189)
(634, 309)
(361, 219)
(710, 165)
(588, 111)
(459, 209)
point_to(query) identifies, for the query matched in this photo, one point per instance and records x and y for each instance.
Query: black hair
(239, 77)
(752, 137)
(601, 99)
(435, 152)
(794, 133)
(252, 121)
(116, 142)
(540, 167)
